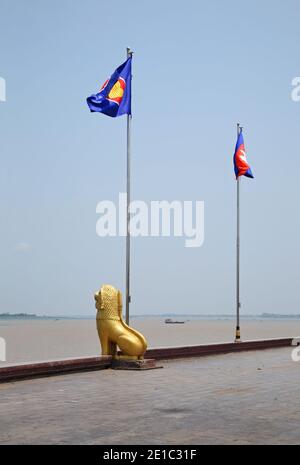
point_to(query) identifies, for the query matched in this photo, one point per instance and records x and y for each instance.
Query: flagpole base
(237, 335)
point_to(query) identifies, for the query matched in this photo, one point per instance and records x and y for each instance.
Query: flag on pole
(114, 97)
(241, 166)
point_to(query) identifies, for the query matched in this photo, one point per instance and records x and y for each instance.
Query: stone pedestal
(133, 364)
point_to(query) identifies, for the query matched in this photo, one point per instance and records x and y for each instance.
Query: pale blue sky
(199, 67)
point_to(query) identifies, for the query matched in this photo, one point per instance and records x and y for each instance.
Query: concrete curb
(60, 367)
(216, 349)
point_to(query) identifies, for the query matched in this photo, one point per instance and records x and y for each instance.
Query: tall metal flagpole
(128, 297)
(238, 303)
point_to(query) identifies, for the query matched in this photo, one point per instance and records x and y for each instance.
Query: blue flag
(241, 165)
(114, 97)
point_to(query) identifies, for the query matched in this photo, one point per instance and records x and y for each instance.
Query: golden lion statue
(112, 329)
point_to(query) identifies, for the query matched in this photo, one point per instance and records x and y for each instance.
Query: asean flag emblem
(114, 97)
(117, 91)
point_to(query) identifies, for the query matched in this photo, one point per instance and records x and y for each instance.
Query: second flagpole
(128, 297)
(238, 303)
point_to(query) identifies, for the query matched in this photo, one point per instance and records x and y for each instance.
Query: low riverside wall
(60, 367)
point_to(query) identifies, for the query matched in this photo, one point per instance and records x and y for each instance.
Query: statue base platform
(122, 363)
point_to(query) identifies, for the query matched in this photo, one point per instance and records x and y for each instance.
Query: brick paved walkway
(244, 398)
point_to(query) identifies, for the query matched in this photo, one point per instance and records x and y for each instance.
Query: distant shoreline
(262, 316)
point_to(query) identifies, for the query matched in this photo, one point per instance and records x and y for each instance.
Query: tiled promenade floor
(245, 398)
